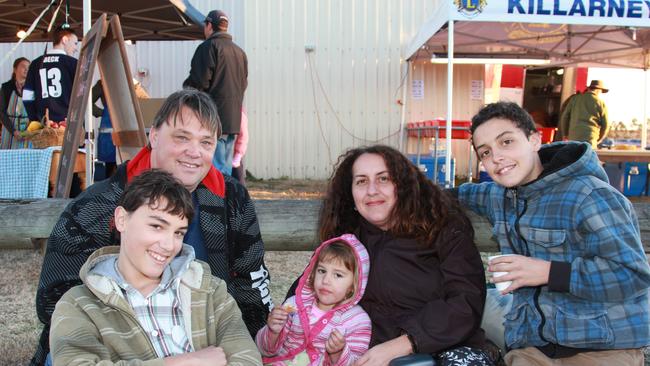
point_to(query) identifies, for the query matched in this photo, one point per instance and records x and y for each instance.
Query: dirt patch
(19, 272)
(19, 326)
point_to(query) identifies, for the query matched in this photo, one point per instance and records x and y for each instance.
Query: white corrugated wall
(30, 50)
(305, 109)
(167, 63)
(163, 65)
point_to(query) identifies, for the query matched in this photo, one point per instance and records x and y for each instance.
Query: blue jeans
(222, 159)
(48, 360)
(496, 308)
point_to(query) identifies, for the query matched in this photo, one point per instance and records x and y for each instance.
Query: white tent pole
(450, 89)
(402, 142)
(644, 121)
(90, 140)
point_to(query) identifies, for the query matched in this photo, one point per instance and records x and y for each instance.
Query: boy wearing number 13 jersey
(50, 78)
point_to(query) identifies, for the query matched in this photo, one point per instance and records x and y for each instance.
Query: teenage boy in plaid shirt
(579, 275)
(149, 299)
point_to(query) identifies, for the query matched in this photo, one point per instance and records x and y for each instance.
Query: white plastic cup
(501, 286)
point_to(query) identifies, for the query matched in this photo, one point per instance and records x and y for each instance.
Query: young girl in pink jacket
(322, 324)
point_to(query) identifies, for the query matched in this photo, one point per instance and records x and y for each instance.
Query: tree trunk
(285, 224)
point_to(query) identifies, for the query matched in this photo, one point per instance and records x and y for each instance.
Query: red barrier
(460, 129)
(548, 133)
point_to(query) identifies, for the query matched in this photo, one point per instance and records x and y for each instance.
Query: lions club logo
(470, 8)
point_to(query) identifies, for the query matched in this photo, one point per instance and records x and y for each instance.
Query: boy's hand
(277, 319)
(334, 345)
(522, 271)
(208, 356)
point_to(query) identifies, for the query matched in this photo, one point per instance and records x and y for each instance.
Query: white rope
(56, 12)
(29, 31)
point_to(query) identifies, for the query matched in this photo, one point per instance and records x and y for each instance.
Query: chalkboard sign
(78, 104)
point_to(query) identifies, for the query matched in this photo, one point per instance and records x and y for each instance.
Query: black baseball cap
(215, 17)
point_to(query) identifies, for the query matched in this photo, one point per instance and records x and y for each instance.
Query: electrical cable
(320, 125)
(401, 85)
(338, 120)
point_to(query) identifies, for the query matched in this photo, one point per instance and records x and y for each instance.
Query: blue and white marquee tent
(566, 32)
(597, 33)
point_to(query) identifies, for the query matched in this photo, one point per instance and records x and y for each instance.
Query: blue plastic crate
(426, 166)
(636, 179)
(629, 178)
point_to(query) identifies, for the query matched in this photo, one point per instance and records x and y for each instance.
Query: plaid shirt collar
(159, 313)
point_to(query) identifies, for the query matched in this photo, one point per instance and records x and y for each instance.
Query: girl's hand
(277, 319)
(334, 345)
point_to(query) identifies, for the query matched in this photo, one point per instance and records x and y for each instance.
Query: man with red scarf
(224, 233)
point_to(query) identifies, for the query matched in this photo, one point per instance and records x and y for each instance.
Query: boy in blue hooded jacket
(579, 275)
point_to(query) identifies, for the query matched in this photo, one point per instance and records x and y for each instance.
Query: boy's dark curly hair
(506, 110)
(152, 188)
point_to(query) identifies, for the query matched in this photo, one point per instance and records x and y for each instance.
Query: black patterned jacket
(230, 231)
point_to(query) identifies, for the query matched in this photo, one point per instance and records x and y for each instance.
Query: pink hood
(349, 318)
(305, 293)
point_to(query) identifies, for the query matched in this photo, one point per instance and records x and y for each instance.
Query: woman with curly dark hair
(426, 288)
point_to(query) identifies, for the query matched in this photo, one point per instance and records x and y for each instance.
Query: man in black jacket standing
(220, 68)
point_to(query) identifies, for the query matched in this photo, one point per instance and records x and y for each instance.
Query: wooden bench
(285, 224)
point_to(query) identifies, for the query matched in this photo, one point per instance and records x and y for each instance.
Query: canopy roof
(140, 19)
(565, 32)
